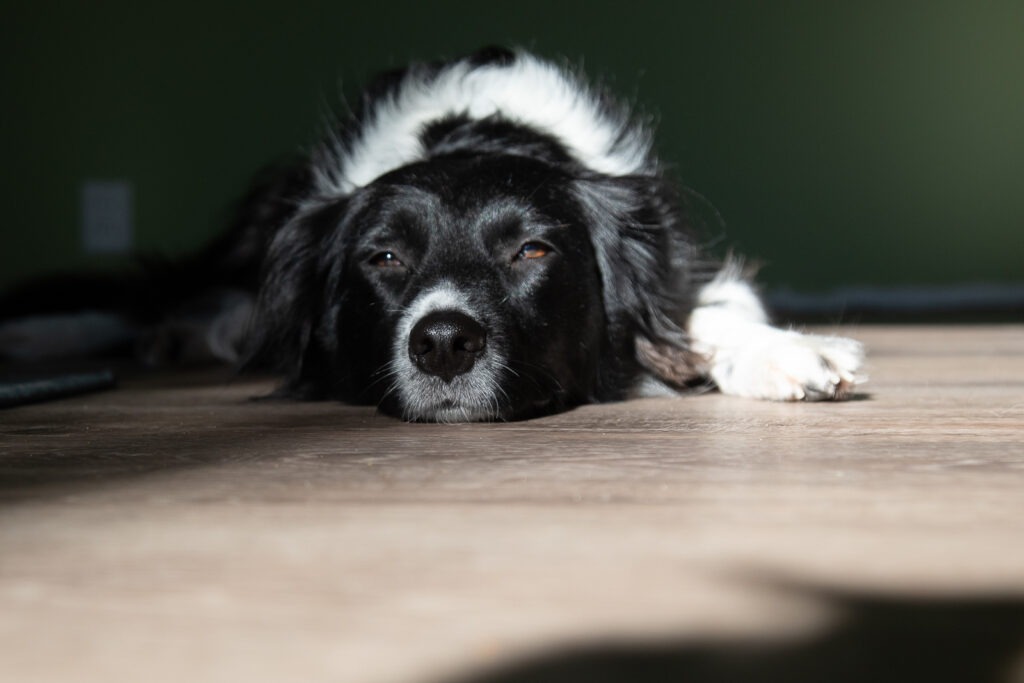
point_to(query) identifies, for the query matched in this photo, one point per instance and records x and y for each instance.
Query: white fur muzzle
(468, 397)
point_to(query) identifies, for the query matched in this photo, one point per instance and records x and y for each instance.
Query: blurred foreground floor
(172, 530)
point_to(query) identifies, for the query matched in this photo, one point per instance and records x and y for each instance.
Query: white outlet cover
(107, 216)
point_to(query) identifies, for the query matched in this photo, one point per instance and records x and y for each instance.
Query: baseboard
(995, 302)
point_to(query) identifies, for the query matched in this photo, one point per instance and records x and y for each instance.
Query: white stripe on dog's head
(442, 297)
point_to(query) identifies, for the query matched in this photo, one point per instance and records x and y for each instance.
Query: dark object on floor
(14, 393)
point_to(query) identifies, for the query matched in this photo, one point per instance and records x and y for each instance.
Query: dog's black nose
(446, 343)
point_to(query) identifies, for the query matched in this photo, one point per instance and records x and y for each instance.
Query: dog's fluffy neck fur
(510, 86)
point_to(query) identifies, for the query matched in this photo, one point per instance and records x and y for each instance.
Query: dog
(489, 238)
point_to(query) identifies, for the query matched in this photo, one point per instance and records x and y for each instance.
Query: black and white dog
(493, 239)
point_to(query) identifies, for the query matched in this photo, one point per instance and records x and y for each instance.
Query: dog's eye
(386, 259)
(532, 250)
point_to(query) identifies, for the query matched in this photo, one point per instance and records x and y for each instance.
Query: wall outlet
(107, 216)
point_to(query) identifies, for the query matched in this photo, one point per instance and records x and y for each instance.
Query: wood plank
(175, 530)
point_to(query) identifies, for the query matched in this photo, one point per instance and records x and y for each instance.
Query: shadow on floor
(878, 639)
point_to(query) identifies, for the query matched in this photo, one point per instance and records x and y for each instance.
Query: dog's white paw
(780, 365)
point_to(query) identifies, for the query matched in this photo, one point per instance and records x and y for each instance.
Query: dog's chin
(449, 411)
(452, 413)
(473, 398)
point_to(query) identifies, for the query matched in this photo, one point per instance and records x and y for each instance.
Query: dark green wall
(878, 143)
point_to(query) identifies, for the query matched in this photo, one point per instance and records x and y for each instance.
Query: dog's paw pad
(787, 366)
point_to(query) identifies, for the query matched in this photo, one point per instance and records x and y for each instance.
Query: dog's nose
(446, 343)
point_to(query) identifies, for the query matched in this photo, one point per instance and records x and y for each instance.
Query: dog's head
(468, 288)
(489, 276)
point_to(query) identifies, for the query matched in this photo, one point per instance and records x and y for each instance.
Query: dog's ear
(291, 296)
(281, 323)
(647, 263)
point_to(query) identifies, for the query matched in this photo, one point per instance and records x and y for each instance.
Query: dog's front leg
(745, 356)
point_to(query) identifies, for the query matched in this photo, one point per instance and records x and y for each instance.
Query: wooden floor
(171, 530)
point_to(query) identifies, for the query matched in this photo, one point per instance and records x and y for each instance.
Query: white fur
(529, 91)
(443, 297)
(745, 356)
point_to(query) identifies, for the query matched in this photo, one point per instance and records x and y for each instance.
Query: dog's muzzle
(446, 344)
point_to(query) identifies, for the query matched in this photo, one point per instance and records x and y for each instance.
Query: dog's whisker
(387, 371)
(506, 367)
(543, 372)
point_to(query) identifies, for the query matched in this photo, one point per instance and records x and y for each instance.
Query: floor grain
(175, 528)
